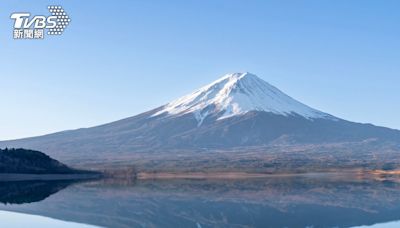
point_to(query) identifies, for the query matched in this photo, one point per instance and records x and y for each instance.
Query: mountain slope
(237, 111)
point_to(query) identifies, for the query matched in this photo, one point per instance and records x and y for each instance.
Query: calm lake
(298, 201)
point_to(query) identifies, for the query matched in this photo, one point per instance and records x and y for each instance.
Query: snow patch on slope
(236, 94)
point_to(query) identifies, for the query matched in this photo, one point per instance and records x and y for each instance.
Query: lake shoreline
(245, 175)
(4, 177)
(46, 177)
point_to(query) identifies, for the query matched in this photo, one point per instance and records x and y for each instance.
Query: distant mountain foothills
(236, 122)
(21, 161)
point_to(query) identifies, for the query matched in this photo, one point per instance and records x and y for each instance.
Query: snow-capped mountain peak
(236, 94)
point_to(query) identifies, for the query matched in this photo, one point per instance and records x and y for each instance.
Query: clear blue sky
(120, 58)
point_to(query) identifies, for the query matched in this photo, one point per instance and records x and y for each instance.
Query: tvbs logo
(28, 27)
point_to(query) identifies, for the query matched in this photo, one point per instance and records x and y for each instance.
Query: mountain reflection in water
(300, 201)
(20, 192)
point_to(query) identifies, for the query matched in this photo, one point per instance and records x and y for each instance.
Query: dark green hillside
(31, 162)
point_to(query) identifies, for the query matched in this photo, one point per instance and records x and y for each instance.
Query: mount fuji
(238, 114)
(237, 94)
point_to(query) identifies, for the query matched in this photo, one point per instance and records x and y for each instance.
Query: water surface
(300, 201)
(18, 220)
